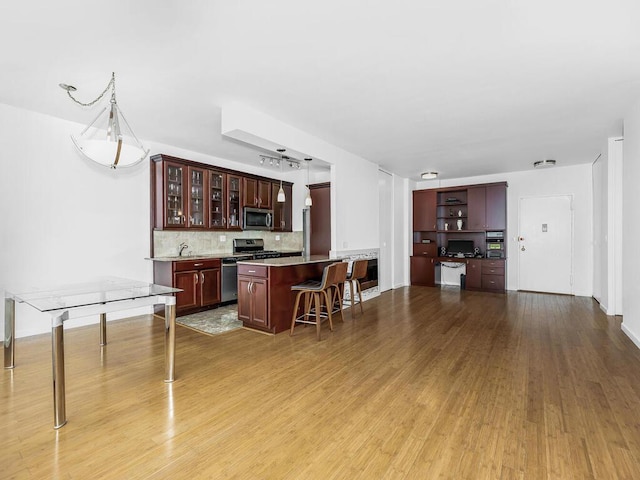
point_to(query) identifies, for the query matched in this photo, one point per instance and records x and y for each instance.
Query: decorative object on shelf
(429, 175)
(451, 212)
(459, 224)
(452, 200)
(446, 226)
(459, 213)
(281, 195)
(544, 163)
(115, 149)
(307, 201)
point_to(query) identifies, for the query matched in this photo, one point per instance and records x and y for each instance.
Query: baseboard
(630, 334)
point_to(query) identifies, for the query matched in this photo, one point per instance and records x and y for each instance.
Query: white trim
(629, 334)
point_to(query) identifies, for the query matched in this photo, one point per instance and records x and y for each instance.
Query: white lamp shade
(281, 195)
(104, 152)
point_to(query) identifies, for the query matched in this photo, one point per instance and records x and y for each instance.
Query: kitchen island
(265, 300)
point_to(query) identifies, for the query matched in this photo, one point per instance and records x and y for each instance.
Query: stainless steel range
(243, 249)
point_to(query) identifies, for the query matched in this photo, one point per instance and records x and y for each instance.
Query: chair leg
(316, 301)
(360, 295)
(329, 308)
(352, 294)
(295, 311)
(333, 301)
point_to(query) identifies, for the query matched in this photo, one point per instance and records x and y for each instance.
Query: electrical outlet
(277, 238)
(222, 238)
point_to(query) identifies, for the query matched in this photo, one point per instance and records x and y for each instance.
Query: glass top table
(96, 297)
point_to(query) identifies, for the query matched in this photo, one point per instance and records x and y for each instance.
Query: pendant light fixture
(307, 201)
(106, 143)
(281, 196)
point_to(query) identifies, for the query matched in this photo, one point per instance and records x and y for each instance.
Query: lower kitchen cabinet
(199, 280)
(253, 295)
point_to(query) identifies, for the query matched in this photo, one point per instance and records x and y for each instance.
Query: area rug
(213, 322)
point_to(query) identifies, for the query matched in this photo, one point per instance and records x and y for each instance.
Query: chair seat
(313, 285)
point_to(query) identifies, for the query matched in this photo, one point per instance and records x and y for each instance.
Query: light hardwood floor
(427, 384)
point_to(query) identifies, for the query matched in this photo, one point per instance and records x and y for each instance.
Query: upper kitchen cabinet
(282, 211)
(424, 210)
(171, 186)
(234, 207)
(192, 195)
(196, 193)
(257, 193)
(217, 197)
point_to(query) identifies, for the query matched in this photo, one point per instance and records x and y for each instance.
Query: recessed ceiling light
(429, 175)
(544, 163)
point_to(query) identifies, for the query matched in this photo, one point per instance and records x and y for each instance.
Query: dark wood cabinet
(467, 213)
(192, 195)
(233, 202)
(197, 198)
(257, 193)
(198, 279)
(253, 294)
(476, 208)
(474, 274)
(496, 207)
(423, 271)
(424, 210)
(282, 211)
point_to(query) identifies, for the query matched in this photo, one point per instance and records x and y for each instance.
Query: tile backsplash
(166, 242)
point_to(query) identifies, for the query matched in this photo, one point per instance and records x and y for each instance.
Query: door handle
(202, 278)
(522, 248)
(195, 278)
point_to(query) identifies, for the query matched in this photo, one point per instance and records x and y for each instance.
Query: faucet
(182, 247)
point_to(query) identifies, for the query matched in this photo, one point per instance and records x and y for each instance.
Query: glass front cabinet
(217, 211)
(197, 202)
(234, 192)
(174, 188)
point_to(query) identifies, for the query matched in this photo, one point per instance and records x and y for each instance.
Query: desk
(74, 301)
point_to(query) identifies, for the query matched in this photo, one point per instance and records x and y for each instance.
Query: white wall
(631, 225)
(65, 219)
(573, 180)
(401, 231)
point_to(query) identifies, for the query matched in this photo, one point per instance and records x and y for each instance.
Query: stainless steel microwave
(258, 219)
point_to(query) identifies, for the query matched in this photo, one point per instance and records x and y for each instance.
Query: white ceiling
(464, 88)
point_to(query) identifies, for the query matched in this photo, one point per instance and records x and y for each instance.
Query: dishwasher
(229, 285)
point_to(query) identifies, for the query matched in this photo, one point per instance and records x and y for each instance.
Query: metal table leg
(57, 350)
(103, 329)
(9, 332)
(169, 339)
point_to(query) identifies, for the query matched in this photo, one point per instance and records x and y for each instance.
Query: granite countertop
(289, 261)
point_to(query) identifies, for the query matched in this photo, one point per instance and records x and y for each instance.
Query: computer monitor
(460, 247)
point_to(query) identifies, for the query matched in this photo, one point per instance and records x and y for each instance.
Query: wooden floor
(428, 384)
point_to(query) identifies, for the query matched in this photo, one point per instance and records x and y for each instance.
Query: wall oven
(258, 219)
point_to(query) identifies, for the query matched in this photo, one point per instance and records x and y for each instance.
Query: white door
(545, 246)
(385, 199)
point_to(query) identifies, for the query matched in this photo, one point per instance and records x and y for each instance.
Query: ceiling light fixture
(429, 175)
(307, 201)
(115, 149)
(544, 163)
(281, 195)
(277, 161)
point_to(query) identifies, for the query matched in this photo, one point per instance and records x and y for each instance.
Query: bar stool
(358, 271)
(314, 292)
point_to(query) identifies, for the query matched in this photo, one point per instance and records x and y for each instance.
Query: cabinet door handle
(195, 278)
(198, 264)
(249, 288)
(202, 278)
(224, 220)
